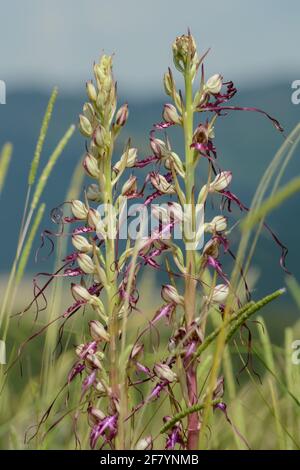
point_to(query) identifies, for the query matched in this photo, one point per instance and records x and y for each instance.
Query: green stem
(188, 135)
(111, 286)
(186, 412)
(190, 281)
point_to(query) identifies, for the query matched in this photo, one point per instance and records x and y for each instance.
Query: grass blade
(40, 143)
(5, 158)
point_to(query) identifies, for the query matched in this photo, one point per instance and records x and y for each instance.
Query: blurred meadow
(40, 168)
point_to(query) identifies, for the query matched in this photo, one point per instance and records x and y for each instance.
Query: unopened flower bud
(160, 183)
(85, 126)
(130, 187)
(221, 181)
(94, 361)
(101, 137)
(174, 161)
(93, 149)
(220, 293)
(79, 209)
(93, 218)
(122, 115)
(144, 444)
(86, 263)
(93, 193)
(101, 101)
(98, 332)
(91, 91)
(131, 157)
(171, 295)
(128, 160)
(100, 387)
(170, 114)
(184, 51)
(214, 84)
(80, 293)
(218, 224)
(159, 147)
(81, 243)
(103, 72)
(90, 165)
(89, 111)
(164, 372)
(168, 83)
(95, 415)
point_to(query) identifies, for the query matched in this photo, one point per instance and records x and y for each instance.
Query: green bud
(170, 114)
(220, 293)
(130, 186)
(79, 209)
(184, 52)
(85, 126)
(164, 372)
(91, 91)
(86, 263)
(102, 137)
(98, 332)
(122, 115)
(160, 183)
(81, 243)
(169, 83)
(170, 295)
(94, 218)
(89, 111)
(90, 164)
(93, 193)
(214, 84)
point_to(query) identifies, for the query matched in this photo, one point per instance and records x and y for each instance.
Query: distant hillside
(246, 143)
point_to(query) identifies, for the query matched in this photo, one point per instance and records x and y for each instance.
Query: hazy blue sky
(46, 42)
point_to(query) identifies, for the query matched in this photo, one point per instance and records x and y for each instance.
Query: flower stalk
(190, 280)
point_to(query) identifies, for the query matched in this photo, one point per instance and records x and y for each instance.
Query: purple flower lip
(218, 109)
(146, 161)
(80, 230)
(77, 369)
(229, 197)
(107, 428)
(89, 348)
(73, 308)
(175, 436)
(88, 382)
(163, 125)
